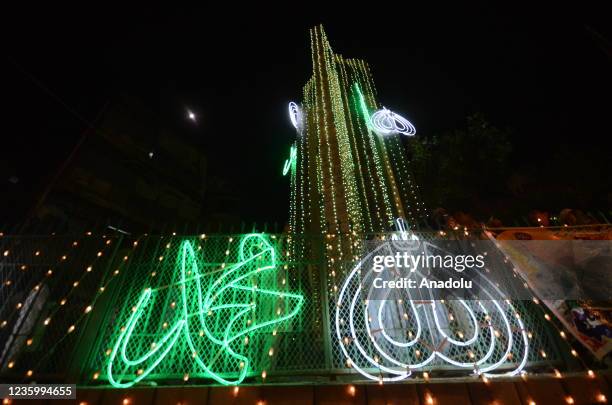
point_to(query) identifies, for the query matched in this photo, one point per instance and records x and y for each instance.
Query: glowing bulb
(352, 390)
(569, 400)
(591, 374)
(429, 399)
(601, 398)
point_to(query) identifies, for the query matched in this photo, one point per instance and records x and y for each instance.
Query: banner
(569, 271)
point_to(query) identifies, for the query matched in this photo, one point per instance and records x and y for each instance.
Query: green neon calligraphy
(362, 104)
(290, 163)
(216, 314)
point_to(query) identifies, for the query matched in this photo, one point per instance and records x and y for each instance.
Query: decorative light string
(87, 310)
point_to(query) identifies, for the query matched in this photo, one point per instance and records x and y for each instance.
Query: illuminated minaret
(347, 178)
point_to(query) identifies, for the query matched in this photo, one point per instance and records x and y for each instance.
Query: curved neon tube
(295, 115)
(386, 122)
(289, 162)
(403, 235)
(253, 248)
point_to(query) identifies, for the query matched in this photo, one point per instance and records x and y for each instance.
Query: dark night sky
(537, 71)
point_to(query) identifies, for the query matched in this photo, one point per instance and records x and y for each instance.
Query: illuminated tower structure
(347, 178)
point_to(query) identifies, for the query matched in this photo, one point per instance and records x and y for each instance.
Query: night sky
(543, 73)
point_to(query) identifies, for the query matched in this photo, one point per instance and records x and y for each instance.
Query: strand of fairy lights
(8, 283)
(63, 258)
(102, 289)
(323, 135)
(351, 144)
(375, 175)
(88, 309)
(20, 307)
(317, 135)
(407, 191)
(370, 158)
(371, 93)
(331, 195)
(347, 158)
(388, 220)
(359, 168)
(334, 69)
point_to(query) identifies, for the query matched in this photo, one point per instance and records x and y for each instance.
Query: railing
(116, 309)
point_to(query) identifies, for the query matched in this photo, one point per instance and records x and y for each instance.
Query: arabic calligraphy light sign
(387, 334)
(289, 162)
(201, 319)
(386, 122)
(295, 115)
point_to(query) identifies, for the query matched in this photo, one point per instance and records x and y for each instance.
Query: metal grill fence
(183, 304)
